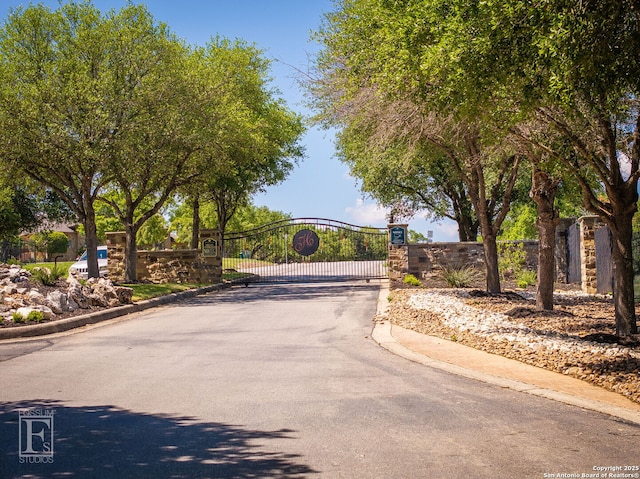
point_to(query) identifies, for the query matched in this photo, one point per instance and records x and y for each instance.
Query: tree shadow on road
(107, 441)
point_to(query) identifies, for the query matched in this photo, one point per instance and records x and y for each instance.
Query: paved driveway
(277, 381)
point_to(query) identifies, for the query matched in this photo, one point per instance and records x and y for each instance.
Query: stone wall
(167, 266)
(398, 262)
(561, 250)
(426, 257)
(420, 259)
(588, 227)
(423, 258)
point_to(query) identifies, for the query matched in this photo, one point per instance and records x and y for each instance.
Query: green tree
(57, 244)
(25, 207)
(17, 212)
(152, 232)
(50, 242)
(158, 131)
(53, 124)
(376, 70)
(82, 94)
(253, 141)
(419, 179)
(574, 69)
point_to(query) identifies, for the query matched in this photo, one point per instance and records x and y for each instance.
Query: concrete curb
(383, 336)
(61, 325)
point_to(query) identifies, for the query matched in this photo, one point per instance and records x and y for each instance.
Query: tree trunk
(623, 276)
(195, 231)
(546, 263)
(490, 245)
(91, 239)
(543, 192)
(467, 228)
(491, 261)
(130, 254)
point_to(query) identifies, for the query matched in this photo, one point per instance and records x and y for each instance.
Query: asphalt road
(277, 381)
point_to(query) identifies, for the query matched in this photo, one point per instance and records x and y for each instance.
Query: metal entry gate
(307, 249)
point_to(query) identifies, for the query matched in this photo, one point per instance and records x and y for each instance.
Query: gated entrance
(307, 249)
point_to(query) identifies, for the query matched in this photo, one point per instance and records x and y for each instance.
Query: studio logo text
(36, 436)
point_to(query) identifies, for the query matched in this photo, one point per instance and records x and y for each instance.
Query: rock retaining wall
(168, 266)
(421, 259)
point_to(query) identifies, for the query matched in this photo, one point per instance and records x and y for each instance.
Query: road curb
(382, 335)
(61, 325)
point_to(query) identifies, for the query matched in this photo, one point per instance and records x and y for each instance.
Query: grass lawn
(63, 265)
(235, 263)
(142, 291)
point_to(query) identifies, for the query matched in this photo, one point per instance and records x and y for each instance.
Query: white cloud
(445, 231)
(367, 214)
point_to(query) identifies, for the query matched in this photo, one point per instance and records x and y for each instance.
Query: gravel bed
(577, 338)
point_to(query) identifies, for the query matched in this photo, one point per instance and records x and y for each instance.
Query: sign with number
(306, 242)
(210, 248)
(398, 235)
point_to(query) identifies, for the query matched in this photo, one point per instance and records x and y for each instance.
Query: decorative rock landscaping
(576, 339)
(21, 297)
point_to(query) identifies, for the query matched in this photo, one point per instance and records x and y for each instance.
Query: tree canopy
(113, 107)
(557, 80)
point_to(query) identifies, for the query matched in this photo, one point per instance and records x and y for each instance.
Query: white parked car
(80, 266)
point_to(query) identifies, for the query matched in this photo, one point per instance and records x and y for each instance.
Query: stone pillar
(561, 250)
(115, 255)
(211, 254)
(588, 226)
(398, 252)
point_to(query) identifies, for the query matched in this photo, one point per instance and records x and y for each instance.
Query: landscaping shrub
(35, 316)
(47, 276)
(458, 276)
(411, 280)
(511, 259)
(526, 278)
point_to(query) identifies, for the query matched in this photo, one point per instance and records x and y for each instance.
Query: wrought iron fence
(307, 249)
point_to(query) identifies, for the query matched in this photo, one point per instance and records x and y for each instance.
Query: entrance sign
(398, 235)
(306, 242)
(210, 248)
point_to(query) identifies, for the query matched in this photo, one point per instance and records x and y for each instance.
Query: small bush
(36, 316)
(526, 278)
(411, 280)
(46, 276)
(511, 259)
(458, 276)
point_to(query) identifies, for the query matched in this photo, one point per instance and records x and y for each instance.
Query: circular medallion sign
(306, 242)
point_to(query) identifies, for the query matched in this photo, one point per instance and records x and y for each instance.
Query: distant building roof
(60, 227)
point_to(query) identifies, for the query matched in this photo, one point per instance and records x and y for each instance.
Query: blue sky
(320, 186)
